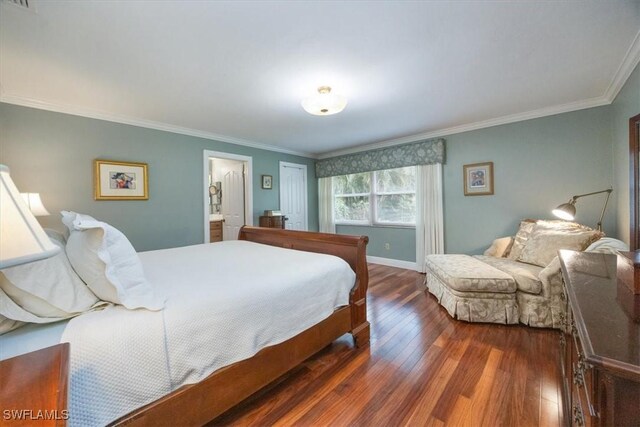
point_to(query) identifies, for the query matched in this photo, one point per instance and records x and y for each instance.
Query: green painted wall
(402, 241)
(52, 154)
(538, 164)
(625, 106)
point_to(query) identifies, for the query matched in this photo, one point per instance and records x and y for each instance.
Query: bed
(229, 327)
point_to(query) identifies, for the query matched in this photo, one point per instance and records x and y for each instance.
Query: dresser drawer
(215, 231)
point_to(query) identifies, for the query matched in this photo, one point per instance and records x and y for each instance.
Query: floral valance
(425, 152)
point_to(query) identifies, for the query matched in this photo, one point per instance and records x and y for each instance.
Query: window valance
(427, 152)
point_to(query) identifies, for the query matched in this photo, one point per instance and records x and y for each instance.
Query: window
(385, 197)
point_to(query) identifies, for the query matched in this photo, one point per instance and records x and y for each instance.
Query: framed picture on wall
(120, 180)
(267, 182)
(478, 179)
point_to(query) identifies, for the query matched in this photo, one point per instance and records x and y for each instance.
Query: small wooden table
(33, 388)
(276, 221)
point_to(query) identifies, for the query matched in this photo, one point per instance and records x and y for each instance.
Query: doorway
(228, 195)
(293, 195)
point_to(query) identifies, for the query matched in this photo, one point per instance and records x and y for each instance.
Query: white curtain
(325, 205)
(429, 213)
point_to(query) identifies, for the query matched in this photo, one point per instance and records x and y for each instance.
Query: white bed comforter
(225, 302)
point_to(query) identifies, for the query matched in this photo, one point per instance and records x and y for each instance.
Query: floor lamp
(567, 211)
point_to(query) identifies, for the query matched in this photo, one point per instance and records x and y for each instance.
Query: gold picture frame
(115, 180)
(477, 179)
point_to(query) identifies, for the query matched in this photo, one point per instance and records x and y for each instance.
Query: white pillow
(608, 245)
(7, 325)
(48, 288)
(56, 235)
(107, 262)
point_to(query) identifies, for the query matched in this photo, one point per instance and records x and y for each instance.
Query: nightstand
(33, 388)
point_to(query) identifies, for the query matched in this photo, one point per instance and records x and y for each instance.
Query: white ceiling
(237, 71)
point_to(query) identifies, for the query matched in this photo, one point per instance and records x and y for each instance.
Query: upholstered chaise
(472, 290)
(517, 279)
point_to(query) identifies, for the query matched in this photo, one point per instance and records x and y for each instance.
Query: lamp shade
(35, 204)
(324, 103)
(22, 240)
(566, 211)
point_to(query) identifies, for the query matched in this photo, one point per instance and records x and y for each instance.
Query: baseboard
(409, 265)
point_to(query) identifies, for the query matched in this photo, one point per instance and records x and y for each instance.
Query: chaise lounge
(518, 279)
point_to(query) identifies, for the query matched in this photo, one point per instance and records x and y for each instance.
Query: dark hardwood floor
(422, 368)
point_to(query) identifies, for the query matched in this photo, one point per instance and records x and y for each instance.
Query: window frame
(373, 220)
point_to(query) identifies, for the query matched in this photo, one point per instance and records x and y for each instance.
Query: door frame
(248, 184)
(634, 182)
(306, 188)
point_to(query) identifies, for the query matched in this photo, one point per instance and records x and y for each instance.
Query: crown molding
(629, 63)
(149, 124)
(622, 74)
(512, 118)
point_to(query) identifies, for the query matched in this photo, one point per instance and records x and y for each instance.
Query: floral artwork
(478, 179)
(120, 180)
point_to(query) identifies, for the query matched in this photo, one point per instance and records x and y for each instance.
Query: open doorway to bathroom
(228, 195)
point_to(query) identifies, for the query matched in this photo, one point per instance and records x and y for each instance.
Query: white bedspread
(225, 302)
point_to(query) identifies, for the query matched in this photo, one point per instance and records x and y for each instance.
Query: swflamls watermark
(34, 414)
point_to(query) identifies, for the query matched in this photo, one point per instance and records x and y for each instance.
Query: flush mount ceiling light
(324, 103)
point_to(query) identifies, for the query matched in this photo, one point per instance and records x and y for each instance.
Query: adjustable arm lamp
(567, 211)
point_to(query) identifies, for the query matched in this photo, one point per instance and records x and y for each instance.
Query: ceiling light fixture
(324, 103)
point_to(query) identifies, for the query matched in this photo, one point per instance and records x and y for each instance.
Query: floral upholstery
(530, 298)
(543, 243)
(492, 307)
(470, 289)
(467, 274)
(525, 230)
(525, 275)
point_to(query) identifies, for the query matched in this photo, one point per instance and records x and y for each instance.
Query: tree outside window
(386, 197)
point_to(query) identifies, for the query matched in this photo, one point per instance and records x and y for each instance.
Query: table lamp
(22, 239)
(34, 203)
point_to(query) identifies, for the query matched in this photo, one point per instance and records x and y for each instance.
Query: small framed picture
(478, 179)
(120, 180)
(267, 182)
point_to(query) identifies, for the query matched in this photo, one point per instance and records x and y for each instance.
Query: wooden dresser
(33, 388)
(272, 221)
(600, 343)
(215, 231)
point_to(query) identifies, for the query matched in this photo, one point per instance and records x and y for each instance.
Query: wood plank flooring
(422, 368)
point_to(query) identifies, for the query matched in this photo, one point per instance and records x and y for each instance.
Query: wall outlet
(387, 246)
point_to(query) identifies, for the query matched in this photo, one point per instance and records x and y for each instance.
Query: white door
(233, 200)
(293, 195)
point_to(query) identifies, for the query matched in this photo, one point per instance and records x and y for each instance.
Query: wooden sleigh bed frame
(197, 404)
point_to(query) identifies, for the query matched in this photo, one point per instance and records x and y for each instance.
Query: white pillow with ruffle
(107, 262)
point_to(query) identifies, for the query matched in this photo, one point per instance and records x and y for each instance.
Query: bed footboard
(352, 249)
(196, 404)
